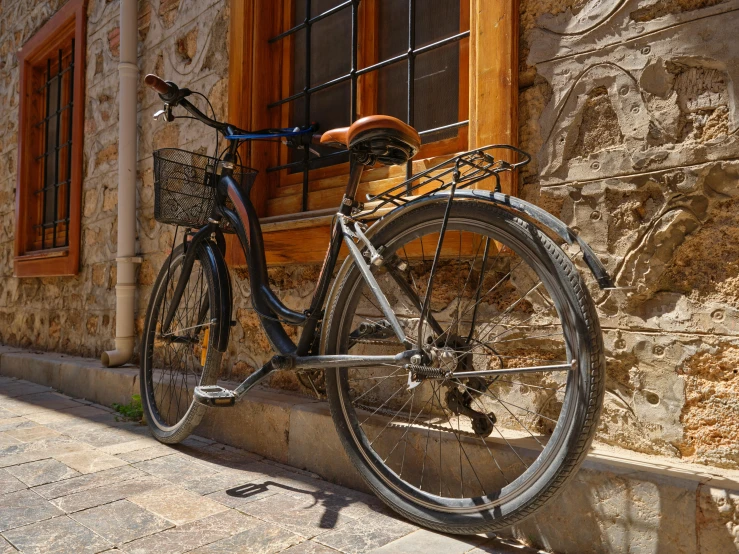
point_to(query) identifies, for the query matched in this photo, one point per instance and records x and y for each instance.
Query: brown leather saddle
(381, 138)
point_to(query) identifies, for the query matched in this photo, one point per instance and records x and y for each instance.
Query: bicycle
(461, 350)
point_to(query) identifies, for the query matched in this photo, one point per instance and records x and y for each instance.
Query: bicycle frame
(270, 310)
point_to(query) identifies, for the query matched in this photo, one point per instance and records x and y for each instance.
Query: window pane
(437, 91)
(392, 35)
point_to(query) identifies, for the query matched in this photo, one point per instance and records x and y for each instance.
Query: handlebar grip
(159, 85)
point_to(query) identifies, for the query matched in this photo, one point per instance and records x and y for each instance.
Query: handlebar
(159, 85)
(173, 95)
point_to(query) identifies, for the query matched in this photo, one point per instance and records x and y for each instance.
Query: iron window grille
(307, 162)
(56, 156)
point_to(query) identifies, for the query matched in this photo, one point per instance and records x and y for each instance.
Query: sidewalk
(74, 478)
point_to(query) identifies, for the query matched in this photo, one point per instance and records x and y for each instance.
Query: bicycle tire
(574, 437)
(154, 390)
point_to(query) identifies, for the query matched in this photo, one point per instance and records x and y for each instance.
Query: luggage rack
(458, 172)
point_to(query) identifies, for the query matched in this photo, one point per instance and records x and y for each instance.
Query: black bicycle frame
(270, 310)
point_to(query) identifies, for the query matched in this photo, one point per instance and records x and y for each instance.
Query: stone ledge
(620, 500)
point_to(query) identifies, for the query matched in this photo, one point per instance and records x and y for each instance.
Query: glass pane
(330, 46)
(437, 90)
(436, 20)
(392, 35)
(392, 90)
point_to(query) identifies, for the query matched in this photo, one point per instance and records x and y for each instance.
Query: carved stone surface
(630, 108)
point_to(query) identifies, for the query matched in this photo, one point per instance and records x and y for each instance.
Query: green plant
(131, 411)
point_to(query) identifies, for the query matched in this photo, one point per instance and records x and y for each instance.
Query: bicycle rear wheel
(176, 360)
(479, 453)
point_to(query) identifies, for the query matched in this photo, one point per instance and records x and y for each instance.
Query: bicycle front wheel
(475, 453)
(177, 359)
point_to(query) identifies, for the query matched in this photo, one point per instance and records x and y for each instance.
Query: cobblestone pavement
(74, 478)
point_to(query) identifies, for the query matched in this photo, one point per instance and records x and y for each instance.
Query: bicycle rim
(180, 358)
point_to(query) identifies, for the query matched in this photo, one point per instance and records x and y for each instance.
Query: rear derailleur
(460, 402)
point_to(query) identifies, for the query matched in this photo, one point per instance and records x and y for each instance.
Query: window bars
(56, 165)
(352, 77)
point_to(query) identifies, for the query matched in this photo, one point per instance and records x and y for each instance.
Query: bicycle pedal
(215, 396)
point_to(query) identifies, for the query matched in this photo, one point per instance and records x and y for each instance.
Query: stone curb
(619, 501)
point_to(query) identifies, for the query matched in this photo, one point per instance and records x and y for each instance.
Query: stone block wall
(629, 109)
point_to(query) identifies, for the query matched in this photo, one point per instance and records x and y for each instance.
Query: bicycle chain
(385, 411)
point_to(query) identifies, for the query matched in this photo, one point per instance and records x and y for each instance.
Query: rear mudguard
(523, 209)
(221, 312)
(527, 211)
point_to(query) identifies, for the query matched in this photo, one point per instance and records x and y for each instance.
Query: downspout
(126, 259)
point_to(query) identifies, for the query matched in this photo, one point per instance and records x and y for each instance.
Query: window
(351, 59)
(50, 146)
(342, 60)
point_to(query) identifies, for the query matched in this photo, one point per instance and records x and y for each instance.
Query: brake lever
(166, 112)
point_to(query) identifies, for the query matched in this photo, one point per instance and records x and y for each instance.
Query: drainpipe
(126, 259)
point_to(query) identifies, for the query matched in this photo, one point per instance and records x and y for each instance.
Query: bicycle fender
(528, 211)
(219, 334)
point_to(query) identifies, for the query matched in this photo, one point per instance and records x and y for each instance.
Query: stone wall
(182, 39)
(629, 109)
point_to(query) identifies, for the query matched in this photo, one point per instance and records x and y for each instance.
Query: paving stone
(38, 450)
(310, 547)
(423, 542)
(42, 472)
(24, 507)
(21, 388)
(39, 402)
(90, 461)
(84, 482)
(7, 440)
(79, 413)
(264, 538)
(243, 495)
(174, 468)
(365, 534)
(193, 535)
(31, 434)
(15, 422)
(6, 547)
(121, 521)
(129, 446)
(340, 499)
(60, 534)
(177, 504)
(108, 437)
(4, 414)
(108, 493)
(147, 453)
(8, 483)
(206, 484)
(501, 545)
(303, 517)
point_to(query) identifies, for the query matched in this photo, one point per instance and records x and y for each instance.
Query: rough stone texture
(76, 315)
(629, 108)
(143, 508)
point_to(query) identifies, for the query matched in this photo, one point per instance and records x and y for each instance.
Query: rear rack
(459, 172)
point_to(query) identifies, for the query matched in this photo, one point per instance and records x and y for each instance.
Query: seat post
(355, 175)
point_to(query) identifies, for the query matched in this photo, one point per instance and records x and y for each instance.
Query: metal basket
(185, 187)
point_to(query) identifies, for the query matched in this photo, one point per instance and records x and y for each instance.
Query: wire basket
(185, 185)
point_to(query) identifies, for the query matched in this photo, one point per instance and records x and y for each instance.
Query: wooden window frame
(492, 109)
(68, 23)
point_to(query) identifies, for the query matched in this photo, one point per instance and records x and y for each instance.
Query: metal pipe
(126, 259)
(350, 360)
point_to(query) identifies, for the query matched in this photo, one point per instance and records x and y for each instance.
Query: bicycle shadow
(331, 500)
